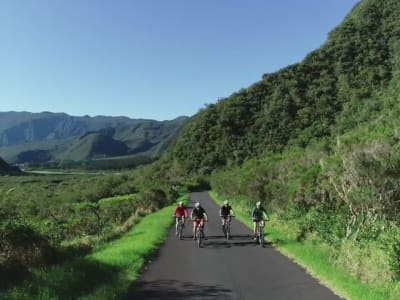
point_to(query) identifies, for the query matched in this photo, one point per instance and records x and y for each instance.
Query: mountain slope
(6, 168)
(301, 102)
(40, 137)
(94, 145)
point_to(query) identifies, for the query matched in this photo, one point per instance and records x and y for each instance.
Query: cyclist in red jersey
(181, 212)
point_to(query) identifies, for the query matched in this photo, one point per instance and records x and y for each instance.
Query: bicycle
(199, 233)
(260, 234)
(180, 228)
(226, 228)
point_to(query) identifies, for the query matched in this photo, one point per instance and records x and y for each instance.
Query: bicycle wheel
(228, 230)
(180, 228)
(261, 235)
(224, 229)
(199, 236)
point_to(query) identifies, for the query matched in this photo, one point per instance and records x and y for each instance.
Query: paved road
(234, 269)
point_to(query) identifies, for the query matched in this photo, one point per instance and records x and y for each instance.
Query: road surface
(234, 269)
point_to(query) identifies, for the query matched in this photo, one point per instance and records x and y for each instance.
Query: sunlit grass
(316, 259)
(129, 197)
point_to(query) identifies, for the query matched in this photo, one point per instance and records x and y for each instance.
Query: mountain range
(42, 137)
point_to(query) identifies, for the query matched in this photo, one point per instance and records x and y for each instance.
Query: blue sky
(154, 59)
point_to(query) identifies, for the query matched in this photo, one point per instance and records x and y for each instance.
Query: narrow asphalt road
(234, 269)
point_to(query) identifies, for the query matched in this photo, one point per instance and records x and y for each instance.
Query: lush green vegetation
(107, 272)
(45, 219)
(338, 194)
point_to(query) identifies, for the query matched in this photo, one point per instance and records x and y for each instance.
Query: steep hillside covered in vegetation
(301, 102)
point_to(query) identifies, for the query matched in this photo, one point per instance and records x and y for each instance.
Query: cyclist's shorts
(225, 217)
(198, 222)
(257, 220)
(178, 219)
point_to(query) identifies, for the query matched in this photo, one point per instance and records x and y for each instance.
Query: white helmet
(180, 202)
(226, 202)
(258, 203)
(197, 204)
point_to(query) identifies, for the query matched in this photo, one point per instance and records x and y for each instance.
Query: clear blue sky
(156, 59)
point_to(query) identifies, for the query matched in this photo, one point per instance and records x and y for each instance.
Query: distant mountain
(95, 145)
(6, 168)
(46, 136)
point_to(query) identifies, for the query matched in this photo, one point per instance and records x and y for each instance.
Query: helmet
(258, 203)
(180, 202)
(226, 202)
(197, 204)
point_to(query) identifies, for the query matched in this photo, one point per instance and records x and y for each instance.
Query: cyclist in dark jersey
(225, 212)
(198, 216)
(259, 215)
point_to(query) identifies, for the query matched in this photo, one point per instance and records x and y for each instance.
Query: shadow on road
(171, 289)
(234, 237)
(228, 244)
(220, 241)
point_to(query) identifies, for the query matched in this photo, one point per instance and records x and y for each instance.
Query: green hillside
(94, 145)
(309, 100)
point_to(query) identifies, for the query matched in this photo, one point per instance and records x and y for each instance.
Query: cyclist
(198, 216)
(180, 213)
(225, 212)
(259, 215)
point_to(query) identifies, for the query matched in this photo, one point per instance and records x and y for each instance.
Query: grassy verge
(104, 274)
(316, 259)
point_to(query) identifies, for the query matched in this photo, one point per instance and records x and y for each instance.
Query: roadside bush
(151, 200)
(20, 245)
(366, 261)
(390, 242)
